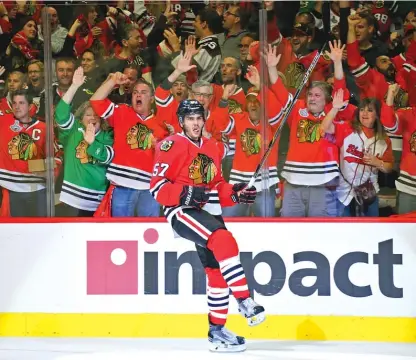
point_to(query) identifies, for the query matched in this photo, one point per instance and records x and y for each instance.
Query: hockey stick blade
(286, 114)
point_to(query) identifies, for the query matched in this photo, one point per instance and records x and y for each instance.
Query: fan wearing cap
(249, 148)
(295, 54)
(187, 181)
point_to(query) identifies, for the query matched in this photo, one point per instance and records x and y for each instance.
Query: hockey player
(187, 181)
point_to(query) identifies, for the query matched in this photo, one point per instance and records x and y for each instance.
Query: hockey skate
(222, 340)
(253, 312)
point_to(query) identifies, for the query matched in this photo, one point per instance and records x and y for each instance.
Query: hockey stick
(286, 115)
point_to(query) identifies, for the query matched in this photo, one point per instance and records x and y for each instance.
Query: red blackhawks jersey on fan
(133, 160)
(382, 14)
(294, 67)
(179, 162)
(236, 104)
(312, 159)
(373, 84)
(216, 121)
(6, 107)
(237, 101)
(249, 143)
(20, 143)
(404, 123)
(399, 61)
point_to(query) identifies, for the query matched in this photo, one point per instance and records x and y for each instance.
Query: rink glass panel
(67, 14)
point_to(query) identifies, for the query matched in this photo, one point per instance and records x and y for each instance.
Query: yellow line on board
(340, 328)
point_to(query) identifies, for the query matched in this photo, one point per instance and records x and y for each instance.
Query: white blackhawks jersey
(353, 146)
(208, 59)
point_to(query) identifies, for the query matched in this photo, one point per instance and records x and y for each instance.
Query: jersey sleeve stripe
(278, 40)
(408, 67)
(164, 102)
(288, 102)
(108, 112)
(155, 189)
(110, 154)
(226, 150)
(274, 120)
(229, 127)
(69, 124)
(361, 70)
(203, 59)
(395, 126)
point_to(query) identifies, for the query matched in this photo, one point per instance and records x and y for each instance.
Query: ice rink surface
(195, 349)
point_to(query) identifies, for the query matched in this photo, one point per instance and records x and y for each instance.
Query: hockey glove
(194, 196)
(246, 196)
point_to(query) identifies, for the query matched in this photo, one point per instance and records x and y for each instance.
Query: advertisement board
(112, 274)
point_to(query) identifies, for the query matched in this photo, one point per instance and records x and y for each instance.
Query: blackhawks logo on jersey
(139, 136)
(379, 4)
(82, 155)
(294, 75)
(250, 142)
(202, 170)
(22, 147)
(234, 107)
(401, 100)
(412, 142)
(166, 145)
(308, 131)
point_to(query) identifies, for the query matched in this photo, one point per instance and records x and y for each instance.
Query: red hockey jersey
(404, 122)
(180, 161)
(237, 101)
(167, 106)
(217, 122)
(409, 71)
(294, 67)
(237, 104)
(6, 107)
(312, 159)
(382, 14)
(133, 160)
(371, 82)
(19, 144)
(249, 147)
(399, 61)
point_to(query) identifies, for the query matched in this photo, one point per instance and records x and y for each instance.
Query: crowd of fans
(121, 68)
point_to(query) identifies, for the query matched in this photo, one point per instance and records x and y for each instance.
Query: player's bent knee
(223, 245)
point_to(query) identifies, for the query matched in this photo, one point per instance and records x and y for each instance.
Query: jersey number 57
(160, 169)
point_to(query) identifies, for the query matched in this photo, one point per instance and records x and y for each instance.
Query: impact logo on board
(113, 269)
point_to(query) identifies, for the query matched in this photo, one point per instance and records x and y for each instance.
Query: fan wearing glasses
(234, 22)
